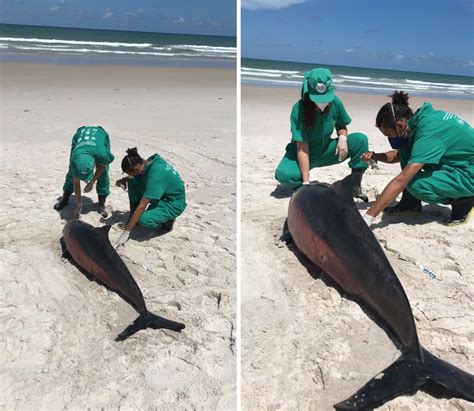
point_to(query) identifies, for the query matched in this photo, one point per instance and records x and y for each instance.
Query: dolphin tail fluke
(406, 375)
(149, 320)
(456, 382)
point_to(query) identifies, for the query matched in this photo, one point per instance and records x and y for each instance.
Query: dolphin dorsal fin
(104, 231)
(345, 186)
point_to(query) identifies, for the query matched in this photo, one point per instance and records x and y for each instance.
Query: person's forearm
(98, 172)
(142, 205)
(389, 157)
(77, 188)
(302, 157)
(389, 194)
(342, 132)
(135, 218)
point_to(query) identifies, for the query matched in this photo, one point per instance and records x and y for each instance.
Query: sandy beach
(305, 346)
(58, 328)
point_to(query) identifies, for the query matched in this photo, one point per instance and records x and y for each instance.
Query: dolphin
(327, 228)
(91, 250)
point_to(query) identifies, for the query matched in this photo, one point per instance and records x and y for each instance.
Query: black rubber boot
(101, 210)
(357, 190)
(168, 226)
(460, 210)
(407, 204)
(64, 201)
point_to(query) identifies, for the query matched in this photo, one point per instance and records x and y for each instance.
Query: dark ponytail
(385, 116)
(131, 160)
(309, 112)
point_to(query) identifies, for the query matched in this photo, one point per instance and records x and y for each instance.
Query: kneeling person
(155, 190)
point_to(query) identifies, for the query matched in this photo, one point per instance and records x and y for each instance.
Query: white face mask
(322, 106)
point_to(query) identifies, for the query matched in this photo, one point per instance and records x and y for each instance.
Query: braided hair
(390, 113)
(131, 160)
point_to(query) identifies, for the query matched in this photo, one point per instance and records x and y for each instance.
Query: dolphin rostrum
(327, 228)
(91, 250)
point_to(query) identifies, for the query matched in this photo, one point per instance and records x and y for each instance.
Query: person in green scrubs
(155, 190)
(90, 148)
(313, 120)
(436, 153)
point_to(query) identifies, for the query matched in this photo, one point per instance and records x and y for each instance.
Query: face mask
(397, 142)
(322, 106)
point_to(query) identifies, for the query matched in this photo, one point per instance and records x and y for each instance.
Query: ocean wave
(75, 42)
(86, 51)
(353, 77)
(71, 50)
(216, 49)
(248, 69)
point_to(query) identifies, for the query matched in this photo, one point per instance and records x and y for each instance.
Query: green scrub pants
(158, 211)
(443, 185)
(102, 186)
(288, 171)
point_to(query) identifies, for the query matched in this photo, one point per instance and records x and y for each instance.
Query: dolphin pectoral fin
(403, 376)
(148, 320)
(284, 240)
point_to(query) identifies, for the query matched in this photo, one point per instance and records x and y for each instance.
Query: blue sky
(419, 35)
(209, 17)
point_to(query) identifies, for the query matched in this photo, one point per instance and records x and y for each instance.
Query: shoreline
(197, 62)
(347, 90)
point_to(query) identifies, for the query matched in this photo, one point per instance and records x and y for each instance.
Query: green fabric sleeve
(296, 122)
(428, 148)
(155, 186)
(343, 118)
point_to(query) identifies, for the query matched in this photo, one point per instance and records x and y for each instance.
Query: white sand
(57, 346)
(304, 345)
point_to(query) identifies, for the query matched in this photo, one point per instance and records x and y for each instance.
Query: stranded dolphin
(90, 248)
(328, 229)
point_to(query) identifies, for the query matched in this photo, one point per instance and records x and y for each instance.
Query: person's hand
(89, 186)
(306, 183)
(367, 218)
(122, 183)
(122, 239)
(367, 156)
(341, 149)
(77, 211)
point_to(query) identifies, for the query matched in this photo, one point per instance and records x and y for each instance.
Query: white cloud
(108, 13)
(269, 4)
(54, 9)
(399, 56)
(136, 13)
(348, 51)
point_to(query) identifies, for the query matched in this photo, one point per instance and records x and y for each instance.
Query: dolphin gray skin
(328, 229)
(90, 248)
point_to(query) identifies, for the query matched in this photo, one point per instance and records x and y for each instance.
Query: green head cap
(84, 165)
(319, 85)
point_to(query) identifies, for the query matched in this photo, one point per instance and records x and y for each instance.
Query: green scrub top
(161, 180)
(93, 141)
(319, 137)
(438, 138)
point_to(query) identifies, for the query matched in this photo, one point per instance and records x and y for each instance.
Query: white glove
(77, 211)
(368, 219)
(122, 239)
(341, 149)
(89, 186)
